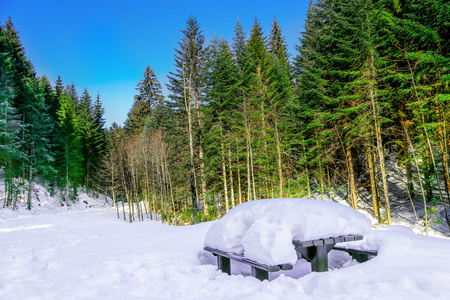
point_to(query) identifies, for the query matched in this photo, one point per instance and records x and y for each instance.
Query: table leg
(260, 274)
(360, 257)
(319, 263)
(224, 264)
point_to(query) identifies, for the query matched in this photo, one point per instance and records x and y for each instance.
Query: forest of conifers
(366, 91)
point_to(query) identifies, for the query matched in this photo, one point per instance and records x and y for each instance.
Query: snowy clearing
(88, 253)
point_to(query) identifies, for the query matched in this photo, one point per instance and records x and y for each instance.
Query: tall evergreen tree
(277, 43)
(11, 151)
(257, 47)
(87, 133)
(29, 102)
(239, 43)
(186, 90)
(222, 79)
(150, 94)
(39, 157)
(99, 142)
(69, 158)
(22, 67)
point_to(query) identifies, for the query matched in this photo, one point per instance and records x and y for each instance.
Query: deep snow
(88, 253)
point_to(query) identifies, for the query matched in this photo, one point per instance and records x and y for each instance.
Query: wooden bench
(359, 255)
(259, 270)
(314, 251)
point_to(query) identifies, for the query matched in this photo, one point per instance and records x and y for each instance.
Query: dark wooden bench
(259, 270)
(359, 255)
(314, 251)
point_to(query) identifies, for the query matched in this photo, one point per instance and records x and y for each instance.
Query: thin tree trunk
(408, 168)
(233, 203)
(431, 156)
(377, 130)
(253, 173)
(224, 177)
(239, 179)
(329, 183)
(249, 185)
(123, 210)
(307, 172)
(280, 170)
(320, 172)
(187, 103)
(113, 190)
(351, 175)
(441, 135)
(201, 155)
(420, 177)
(147, 180)
(373, 185)
(426, 171)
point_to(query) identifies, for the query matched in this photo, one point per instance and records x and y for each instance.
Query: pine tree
(257, 48)
(39, 158)
(222, 80)
(59, 88)
(150, 94)
(99, 142)
(69, 158)
(186, 90)
(313, 106)
(22, 67)
(10, 126)
(29, 102)
(277, 43)
(258, 128)
(280, 97)
(50, 98)
(239, 43)
(87, 133)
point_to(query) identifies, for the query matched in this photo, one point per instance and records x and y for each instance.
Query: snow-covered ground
(86, 252)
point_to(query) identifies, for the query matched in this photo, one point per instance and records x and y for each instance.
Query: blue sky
(104, 46)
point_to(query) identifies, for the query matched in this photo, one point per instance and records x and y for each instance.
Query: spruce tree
(69, 158)
(186, 92)
(39, 157)
(277, 43)
(87, 133)
(239, 43)
(29, 102)
(257, 47)
(11, 151)
(22, 67)
(150, 94)
(99, 142)
(222, 85)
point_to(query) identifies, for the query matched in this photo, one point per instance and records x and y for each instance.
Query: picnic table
(315, 251)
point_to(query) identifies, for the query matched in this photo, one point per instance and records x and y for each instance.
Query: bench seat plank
(259, 270)
(359, 255)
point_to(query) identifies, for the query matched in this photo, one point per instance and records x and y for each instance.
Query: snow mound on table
(263, 230)
(392, 239)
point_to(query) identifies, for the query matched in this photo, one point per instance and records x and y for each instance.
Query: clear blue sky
(104, 46)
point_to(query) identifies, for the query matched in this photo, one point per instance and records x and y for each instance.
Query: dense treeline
(365, 94)
(48, 133)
